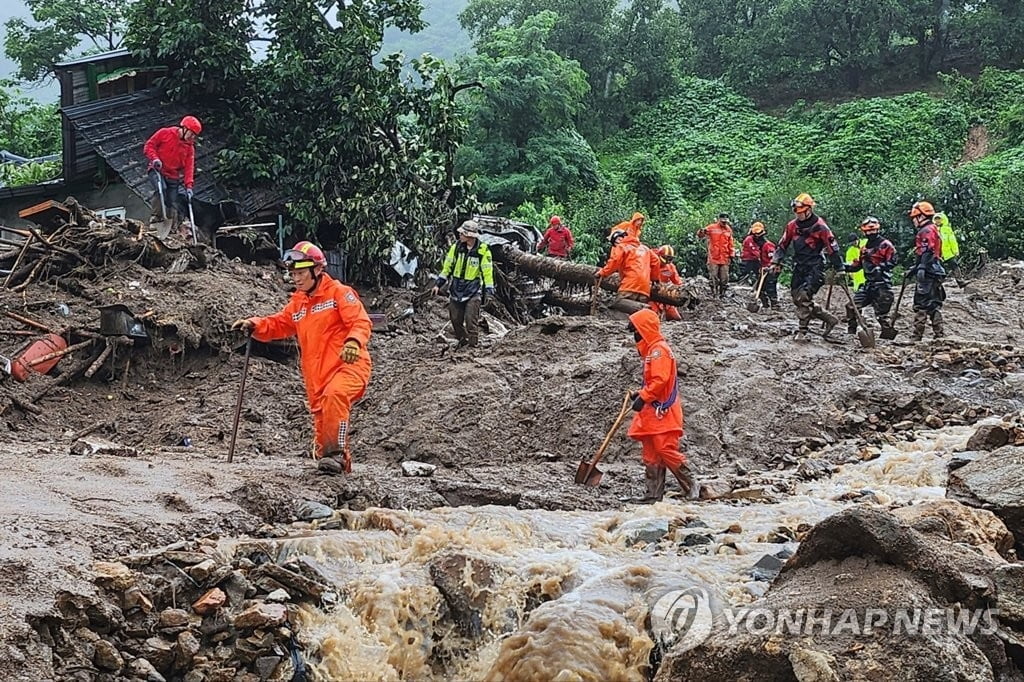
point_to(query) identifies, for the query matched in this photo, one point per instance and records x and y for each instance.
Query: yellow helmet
(757, 228)
(666, 251)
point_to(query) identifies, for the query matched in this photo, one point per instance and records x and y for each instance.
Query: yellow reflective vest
(950, 246)
(852, 254)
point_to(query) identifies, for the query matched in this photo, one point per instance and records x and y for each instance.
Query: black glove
(910, 272)
(638, 402)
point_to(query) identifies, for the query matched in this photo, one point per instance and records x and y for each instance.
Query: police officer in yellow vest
(468, 264)
(950, 249)
(852, 254)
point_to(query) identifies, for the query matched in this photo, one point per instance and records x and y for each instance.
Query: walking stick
(238, 404)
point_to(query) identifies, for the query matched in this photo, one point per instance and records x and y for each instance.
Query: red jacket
(767, 252)
(928, 239)
(720, 244)
(662, 411)
(323, 321)
(635, 263)
(177, 156)
(558, 241)
(751, 251)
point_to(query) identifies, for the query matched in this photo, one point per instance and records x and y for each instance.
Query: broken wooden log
(59, 353)
(581, 273)
(17, 262)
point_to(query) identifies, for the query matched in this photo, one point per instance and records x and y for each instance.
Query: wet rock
(757, 494)
(308, 510)
(694, 523)
(465, 583)
(261, 615)
(209, 602)
(961, 458)
(279, 595)
(714, 489)
(159, 652)
(813, 666)
(201, 571)
(734, 529)
(112, 575)
(88, 446)
(185, 649)
(106, 656)
(100, 615)
(767, 568)
(184, 558)
(989, 437)
(637, 531)
(238, 588)
(696, 539)
(1009, 582)
(465, 493)
(869, 454)
(421, 469)
(996, 483)
(135, 598)
(959, 523)
(143, 669)
(172, 618)
(905, 425)
(811, 469)
(934, 421)
(266, 665)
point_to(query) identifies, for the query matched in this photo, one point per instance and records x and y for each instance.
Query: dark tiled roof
(118, 127)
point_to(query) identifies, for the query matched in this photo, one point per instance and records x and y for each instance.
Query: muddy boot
(851, 320)
(685, 479)
(801, 335)
(830, 322)
(920, 319)
(654, 484)
(335, 463)
(937, 329)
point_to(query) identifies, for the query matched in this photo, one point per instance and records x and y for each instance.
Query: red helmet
(192, 123)
(555, 221)
(304, 255)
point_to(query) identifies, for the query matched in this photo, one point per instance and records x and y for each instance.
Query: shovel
(587, 473)
(163, 228)
(192, 222)
(865, 336)
(755, 305)
(889, 333)
(241, 392)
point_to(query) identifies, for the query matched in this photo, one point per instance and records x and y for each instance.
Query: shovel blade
(866, 338)
(162, 228)
(888, 333)
(754, 306)
(593, 479)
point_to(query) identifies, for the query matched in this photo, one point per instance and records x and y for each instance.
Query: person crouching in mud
(658, 422)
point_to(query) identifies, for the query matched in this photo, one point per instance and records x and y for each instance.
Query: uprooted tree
(360, 149)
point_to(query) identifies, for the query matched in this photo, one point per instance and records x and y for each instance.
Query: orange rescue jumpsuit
(635, 263)
(659, 424)
(323, 321)
(667, 274)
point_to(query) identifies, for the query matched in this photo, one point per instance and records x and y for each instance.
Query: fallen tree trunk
(580, 273)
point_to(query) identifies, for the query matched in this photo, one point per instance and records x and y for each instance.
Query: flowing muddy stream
(498, 593)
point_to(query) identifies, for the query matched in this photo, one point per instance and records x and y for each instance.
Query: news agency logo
(682, 619)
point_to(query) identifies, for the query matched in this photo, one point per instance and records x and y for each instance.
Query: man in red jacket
(750, 256)
(658, 422)
(765, 252)
(557, 240)
(333, 330)
(172, 164)
(928, 290)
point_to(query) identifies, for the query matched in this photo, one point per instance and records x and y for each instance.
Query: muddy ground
(505, 425)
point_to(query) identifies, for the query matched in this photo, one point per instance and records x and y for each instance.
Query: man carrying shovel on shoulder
(658, 422)
(172, 166)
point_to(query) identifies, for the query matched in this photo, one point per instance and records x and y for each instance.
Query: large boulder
(996, 483)
(856, 572)
(950, 520)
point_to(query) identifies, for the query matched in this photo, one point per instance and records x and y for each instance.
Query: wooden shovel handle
(764, 274)
(615, 427)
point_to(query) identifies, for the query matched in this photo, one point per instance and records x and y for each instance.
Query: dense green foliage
(58, 28)
(15, 175)
(27, 128)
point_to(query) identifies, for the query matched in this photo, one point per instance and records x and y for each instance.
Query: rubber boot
(937, 327)
(920, 319)
(685, 479)
(801, 334)
(851, 319)
(334, 463)
(654, 484)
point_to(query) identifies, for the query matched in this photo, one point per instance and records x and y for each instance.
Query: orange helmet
(666, 251)
(922, 208)
(802, 199)
(304, 255)
(870, 225)
(192, 123)
(757, 228)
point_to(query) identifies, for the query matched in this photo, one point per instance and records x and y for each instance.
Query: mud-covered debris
(934, 421)
(994, 482)
(106, 656)
(813, 666)
(91, 445)
(465, 583)
(412, 468)
(172, 619)
(714, 489)
(989, 437)
(956, 522)
(755, 494)
(201, 571)
(112, 575)
(145, 670)
(308, 510)
(767, 568)
(811, 469)
(297, 582)
(1009, 582)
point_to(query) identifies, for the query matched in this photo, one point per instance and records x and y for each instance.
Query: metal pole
(280, 234)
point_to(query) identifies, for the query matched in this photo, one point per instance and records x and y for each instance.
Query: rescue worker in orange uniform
(634, 262)
(721, 249)
(667, 274)
(658, 422)
(333, 331)
(632, 227)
